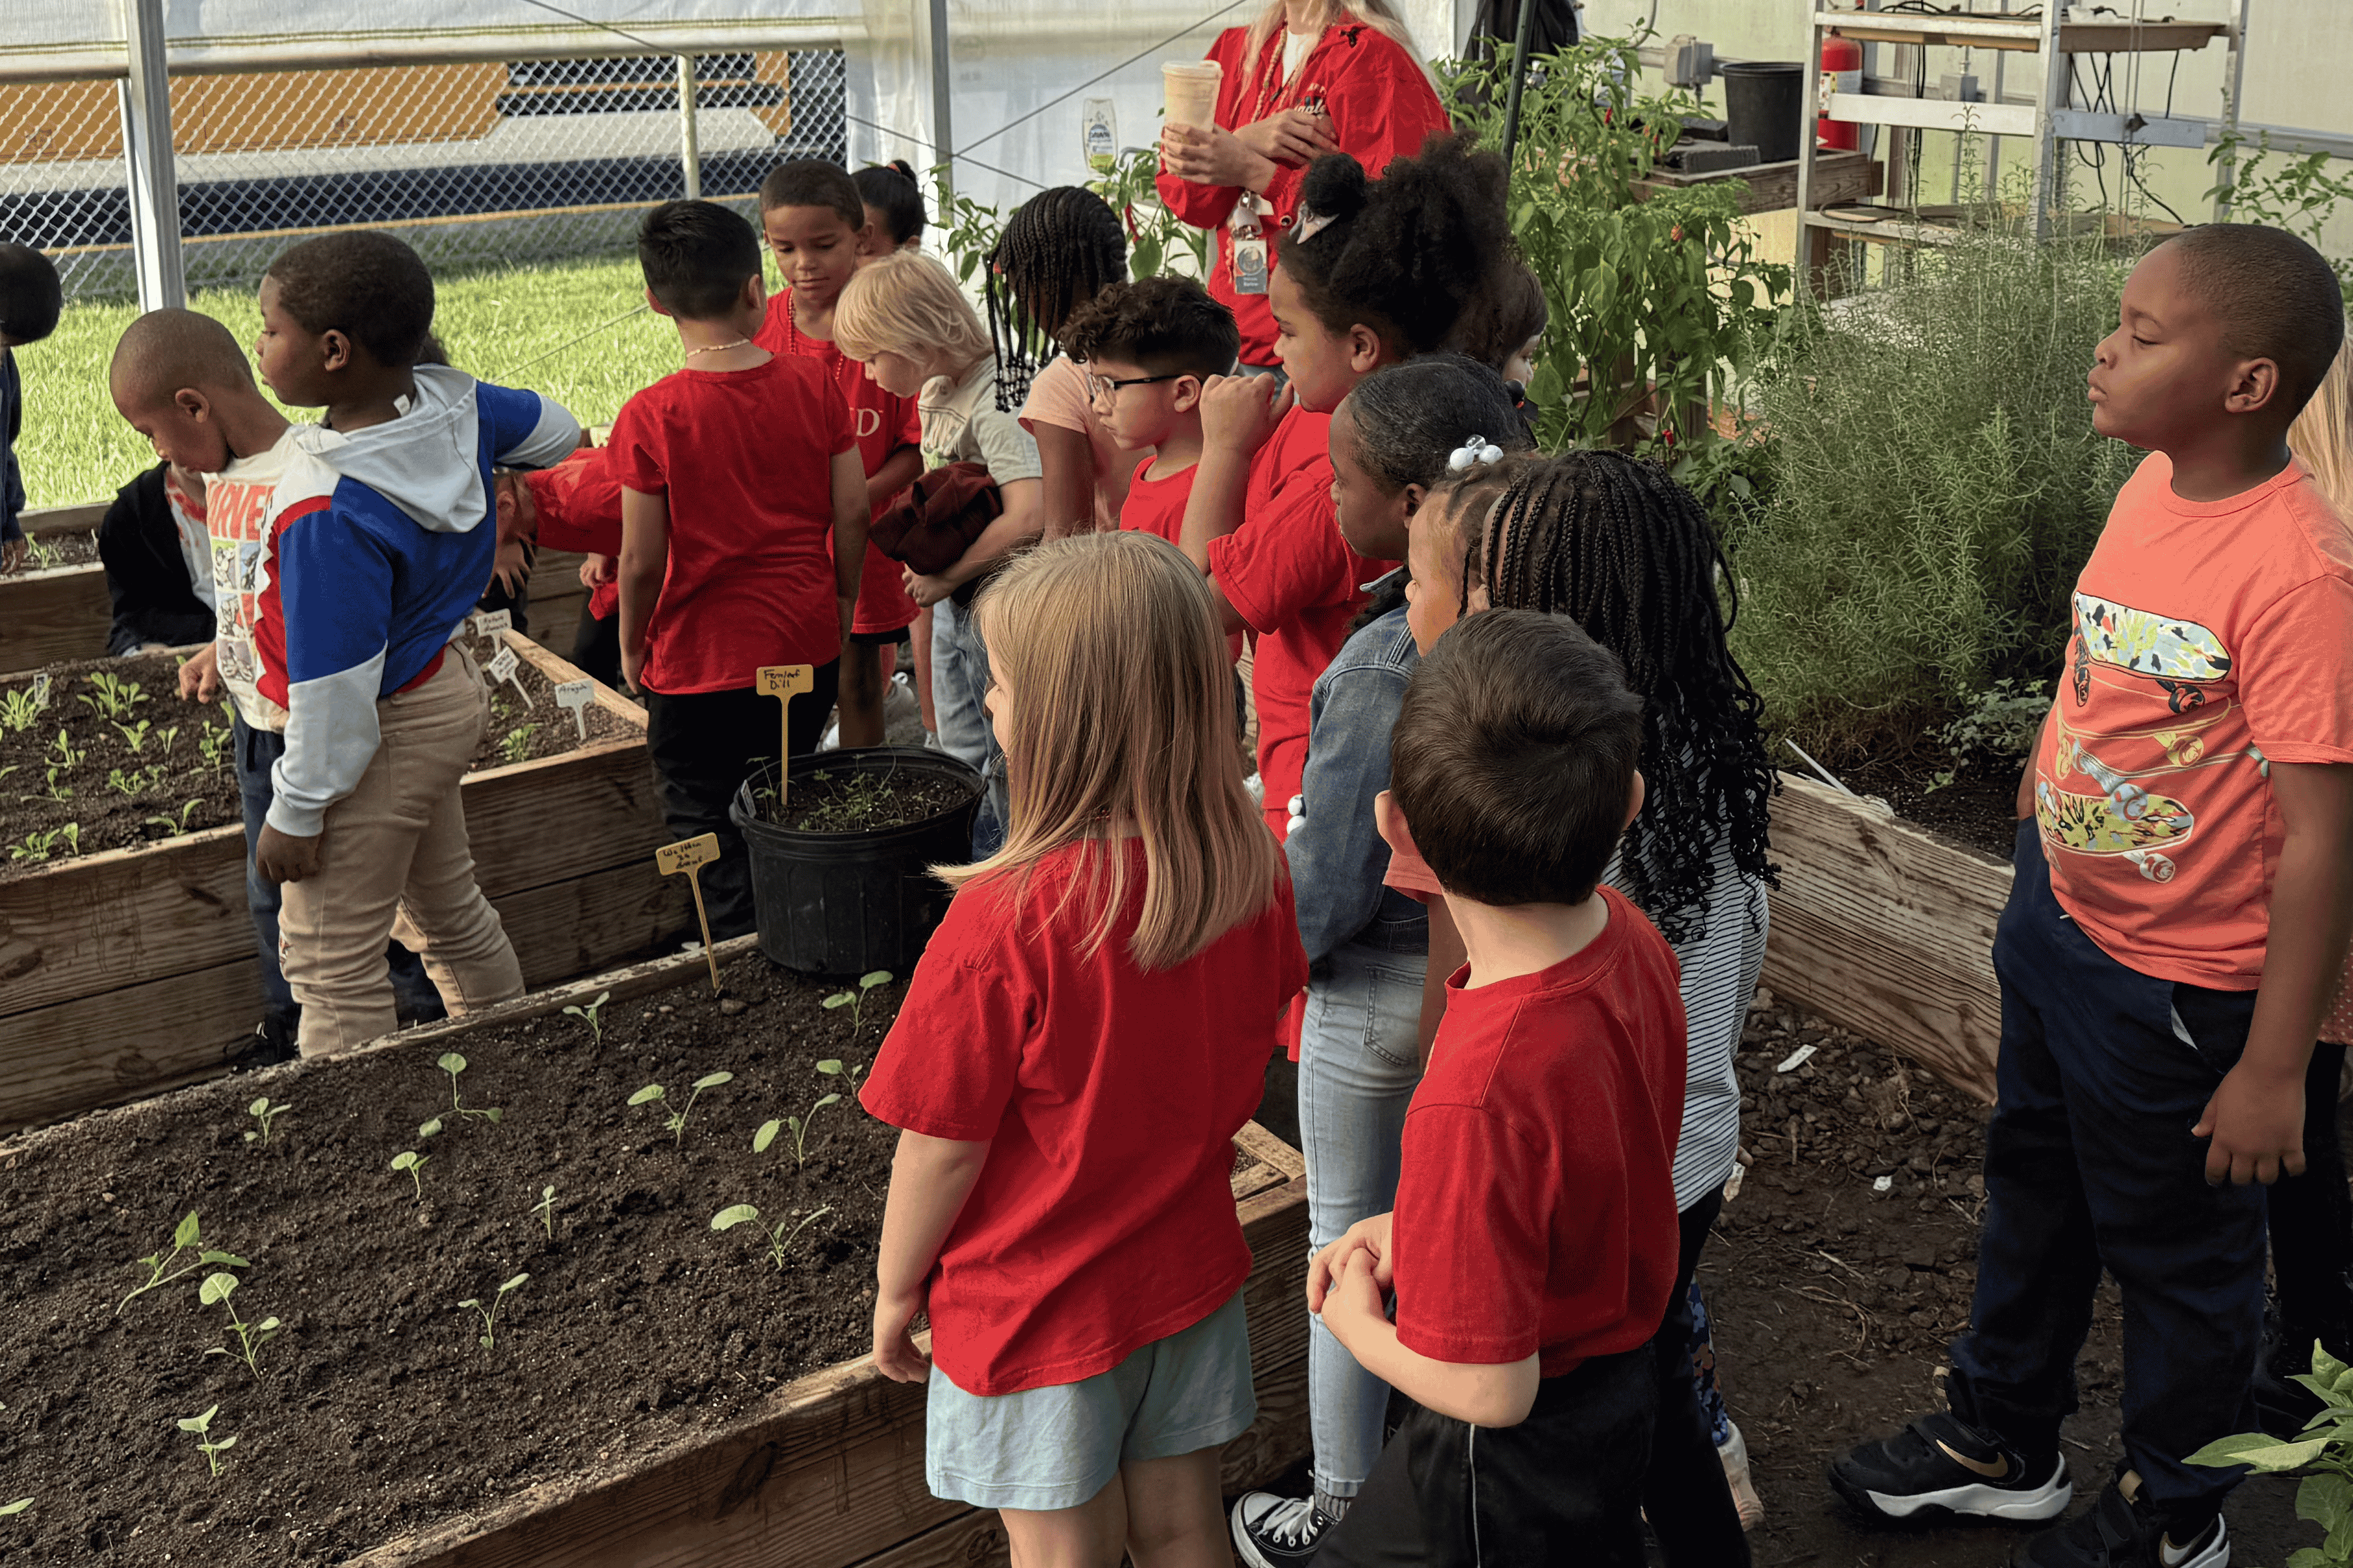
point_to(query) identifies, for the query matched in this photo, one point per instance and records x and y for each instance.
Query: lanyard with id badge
(1252, 258)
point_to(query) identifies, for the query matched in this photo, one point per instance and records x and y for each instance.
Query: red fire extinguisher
(1842, 72)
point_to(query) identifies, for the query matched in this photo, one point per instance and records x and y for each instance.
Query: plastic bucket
(848, 903)
(1764, 106)
(1189, 91)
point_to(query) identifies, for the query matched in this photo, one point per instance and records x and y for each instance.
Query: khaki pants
(394, 862)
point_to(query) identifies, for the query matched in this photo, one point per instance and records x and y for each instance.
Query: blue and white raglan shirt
(344, 565)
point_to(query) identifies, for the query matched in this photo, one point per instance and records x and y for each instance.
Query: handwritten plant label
(503, 666)
(575, 697)
(784, 682)
(490, 623)
(690, 856)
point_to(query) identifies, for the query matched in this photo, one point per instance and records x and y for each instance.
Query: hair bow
(1476, 450)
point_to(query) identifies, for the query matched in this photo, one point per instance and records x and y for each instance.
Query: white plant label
(491, 623)
(40, 691)
(503, 666)
(1797, 1058)
(573, 697)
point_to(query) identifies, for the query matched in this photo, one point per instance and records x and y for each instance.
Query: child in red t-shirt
(1084, 1036)
(725, 549)
(1533, 1241)
(815, 222)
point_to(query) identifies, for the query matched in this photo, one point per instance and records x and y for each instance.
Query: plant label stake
(491, 623)
(690, 856)
(503, 666)
(40, 690)
(784, 682)
(573, 697)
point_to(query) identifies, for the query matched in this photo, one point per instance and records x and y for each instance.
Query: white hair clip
(1308, 225)
(1476, 450)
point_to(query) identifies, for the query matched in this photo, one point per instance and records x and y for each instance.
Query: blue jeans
(1359, 1060)
(255, 752)
(2089, 1163)
(959, 681)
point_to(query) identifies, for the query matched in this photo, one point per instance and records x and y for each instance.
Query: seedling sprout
(453, 1064)
(185, 1238)
(202, 1425)
(10, 1509)
(265, 1112)
(216, 1290)
(780, 1241)
(856, 1000)
(591, 1015)
(677, 1118)
(799, 1125)
(410, 1161)
(490, 1314)
(546, 1210)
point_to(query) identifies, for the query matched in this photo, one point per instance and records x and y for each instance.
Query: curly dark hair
(369, 286)
(891, 190)
(1631, 555)
(1407, 255)
(1059, 249)
(1170, 326)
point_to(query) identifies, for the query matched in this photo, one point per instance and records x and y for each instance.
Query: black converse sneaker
(2121, 1531)
(1941, 1467)
(1272, 1531)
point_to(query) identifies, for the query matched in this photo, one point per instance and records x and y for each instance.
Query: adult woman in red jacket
(1308, 77)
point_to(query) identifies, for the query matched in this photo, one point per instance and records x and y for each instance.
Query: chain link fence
(476, 165)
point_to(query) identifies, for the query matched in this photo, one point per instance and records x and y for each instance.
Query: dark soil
(860, 802)
(48, 551)
(1977, 808)
(376, 1409)
(112, 797)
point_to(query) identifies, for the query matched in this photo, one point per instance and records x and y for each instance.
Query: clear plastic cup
(1189, 91)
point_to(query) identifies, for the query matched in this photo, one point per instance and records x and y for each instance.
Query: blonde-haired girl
(1087, 1031)
(903, 318)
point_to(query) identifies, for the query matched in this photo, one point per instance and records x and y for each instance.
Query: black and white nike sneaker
(1940, 1467)
(2121, 1531)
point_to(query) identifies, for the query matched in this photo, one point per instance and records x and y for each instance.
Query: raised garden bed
(132, 969)
(57, 611)
(658, 1392)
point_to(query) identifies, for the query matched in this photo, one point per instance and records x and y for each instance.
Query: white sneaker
(1734, 1452)
(1272, 1531)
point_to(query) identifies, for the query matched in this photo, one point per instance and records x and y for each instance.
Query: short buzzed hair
(369, 286)
(1513, 756)
(2275, 297)
(31, 297)
(696, 255)
(166, 350)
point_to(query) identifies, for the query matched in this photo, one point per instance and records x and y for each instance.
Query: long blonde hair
(907, 303)
(2322, 435)
(1124, 721)
(1378, 15)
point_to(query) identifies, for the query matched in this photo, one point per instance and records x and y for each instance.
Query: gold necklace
(718, 348)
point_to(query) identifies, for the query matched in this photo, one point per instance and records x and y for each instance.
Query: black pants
(704, 745)
(1561, 1490)
(2312, 1229)
(1684, 1491)
(597, 647)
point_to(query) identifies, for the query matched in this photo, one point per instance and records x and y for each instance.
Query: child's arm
(645, 559)
(930, 1179)
(1068, 458)
(2255, 1120)
(1238, 416)
(1015, 527)
(1485, 1394)
(900, 469)
(849, 534)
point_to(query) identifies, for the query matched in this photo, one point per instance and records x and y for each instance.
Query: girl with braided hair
(1059, 249)
(1631, 555)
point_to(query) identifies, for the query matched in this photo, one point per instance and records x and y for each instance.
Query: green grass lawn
(514, 327)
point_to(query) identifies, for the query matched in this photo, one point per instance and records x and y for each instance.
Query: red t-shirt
(884, 422)
(746, 459)
(1157, 506)
(2212, 640)
(1109, 1096)
(1292, 579)
(1535, 1200)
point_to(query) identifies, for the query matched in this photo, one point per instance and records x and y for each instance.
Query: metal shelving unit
(2043, 121)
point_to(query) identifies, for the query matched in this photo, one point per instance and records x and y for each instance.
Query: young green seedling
(68, 757)
(798, 1124)
(188, 1237)
(516, 746)
(10, 1509)
(490, 1314)
(37, 846)
(215, 1292)
(72, 834)
(212, 745)
(135, 735)
(676, 1122)
(856, 1000)
(453, 1064)
(176, 828)
(114, 697)
(202, 1426)
(18, 709)
(410, 1161)
(546, 1210)
(780, 1241)
(264, 1112)
(591, 1015)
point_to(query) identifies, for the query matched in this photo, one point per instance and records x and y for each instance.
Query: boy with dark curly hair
(1149, 347)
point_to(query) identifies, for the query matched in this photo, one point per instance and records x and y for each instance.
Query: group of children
(1499, 885)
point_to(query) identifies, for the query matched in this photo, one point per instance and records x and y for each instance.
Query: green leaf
(198, 1422)
(494, 1115)
(187, 1234)
(2311, 1557)
(228, 1258)
(217, 1289)
(258, 1106)
(839, 999)
(713, 1079)
(869, 980)
(733, 1215)
(470, 1301)
(832, 1066)
(404, 1161)
(227, 1442)
(268, 1326)
(428, 1129)
(765, 1136)
(2265, 1454)
(252, 1137)
(9, 1510)
(647, 1095)
(515, 1283)
(829, 1100)
(453, 1063)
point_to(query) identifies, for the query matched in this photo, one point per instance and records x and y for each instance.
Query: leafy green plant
(112, 696)
(135, 783)
(209, 1447)
(40, 554)
(175, 826)
(18, 709)
(71, 833)
(266, 1112)
(37, 846)
(856, 1000)
(212, 745)
(779, 1240)
(966, 230)
(453, 1064)
(490, 1314)
(410, 1161)
(135, 735)
(187, 1237)
(516, 745)
(676, 1120)
(1158, 240)
(2290, 191)
(2322, 1454)
(546, 1210)
(1999, 725)
(799, 1125)
(166, 736)
(215, 1292)
(65, 752)
(591, 1015)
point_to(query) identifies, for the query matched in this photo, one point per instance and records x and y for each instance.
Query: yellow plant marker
(784, 682)
(690, 856)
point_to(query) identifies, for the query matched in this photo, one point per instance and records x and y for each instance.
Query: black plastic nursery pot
(848, 903)
(1764, 102)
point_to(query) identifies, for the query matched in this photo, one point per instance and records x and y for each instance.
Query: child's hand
(1369, 1236)
(633, 664)
(596, 571)
(895, 1355)
(200, 677)
(282, 858)
(1238, 413)
(927, 591)
(2255, 1127)
(511, 568)
(1357, 1296)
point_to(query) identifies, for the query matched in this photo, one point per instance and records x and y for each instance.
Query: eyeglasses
(1098, 387)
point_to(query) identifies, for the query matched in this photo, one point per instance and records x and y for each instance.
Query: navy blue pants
(2089, 1162)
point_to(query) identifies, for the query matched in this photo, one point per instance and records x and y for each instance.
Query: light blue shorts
(1057, 1447)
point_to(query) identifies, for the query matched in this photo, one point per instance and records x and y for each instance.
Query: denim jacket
(1337, 857)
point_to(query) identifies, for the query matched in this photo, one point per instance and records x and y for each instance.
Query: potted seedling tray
(58, 608)
(1887, 929)
(127, 960)
(527, 1343)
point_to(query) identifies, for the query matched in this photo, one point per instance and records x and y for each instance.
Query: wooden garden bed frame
(828, 1471)
(61, 612)
(1887, 929)
(132, 971)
